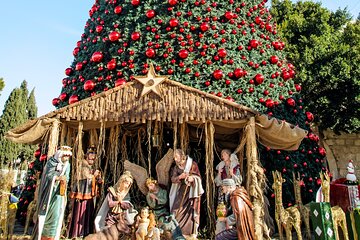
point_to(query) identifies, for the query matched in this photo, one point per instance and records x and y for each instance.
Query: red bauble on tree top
(259, 79)
(76, 51)
(55, 102)
(269, 103)
(173, 22)
(120, 82)
(238, 73)
(135, 3)
(285, 75)
(68, 71)
(274, 59)
(111, 65)
(118, 9)
(89, 85)
(172, 2)
(309, 116)
(135, 36)
(114, 36)
(73, 99)
(183, 53)
(222, 53)
(97, 57)
(204, 27)
(253, 43)
(218, 74)
(150, 13)
(43, 157)
(63, 96)
(37, 153)
(79, 66)
(99, 28)
(150, 53)
(291, 102)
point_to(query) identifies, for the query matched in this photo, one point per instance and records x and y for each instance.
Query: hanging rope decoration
(149, 146)
(64, 129)
(141, 134)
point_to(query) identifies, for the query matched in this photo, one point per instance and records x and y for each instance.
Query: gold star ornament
(151, 81)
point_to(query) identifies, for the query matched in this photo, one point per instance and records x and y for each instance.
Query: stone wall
(340, 149)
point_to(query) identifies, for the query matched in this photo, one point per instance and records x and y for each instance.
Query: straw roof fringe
(179, 103)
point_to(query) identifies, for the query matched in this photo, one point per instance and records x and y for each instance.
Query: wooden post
(255, 181)
(209, 161)
(54, 138)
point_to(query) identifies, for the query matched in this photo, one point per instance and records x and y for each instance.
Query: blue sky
(38, 37)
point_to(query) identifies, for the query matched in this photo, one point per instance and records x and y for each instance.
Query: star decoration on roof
(151, 81)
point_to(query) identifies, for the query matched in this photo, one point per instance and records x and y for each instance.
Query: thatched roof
(178, 103)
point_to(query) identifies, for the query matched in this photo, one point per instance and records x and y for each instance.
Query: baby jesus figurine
(146, 226)
(142, 223)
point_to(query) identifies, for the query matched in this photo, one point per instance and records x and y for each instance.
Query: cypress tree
(2, 84)
(31, 105)
(14, 114)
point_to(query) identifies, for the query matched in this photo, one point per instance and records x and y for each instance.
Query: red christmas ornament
(31, 165)
(37, 153)
(111, 65)
(68, 71)
(309, 116)
(285, 75)
(99, 28)
(89, 85)
(135, 36)
(114, 36)
(63, 96)
(204, 27)
(135, 3)
(172, 2)
(218, 74)
(150, 13)
(253, 43)
(322, 151)
(76, 51)
(118, 9)
(97, 57)
(150, 53)
(269, 103)
(55, 102)
(238, 72)
(183, 53)
(73, 99)
(291, 102)
(120, 82)
(43, 157)
(259, 79)
(173, 22)
(274, 59)
(78, 66)
(228, 15)
(297, 87)
(222, 53)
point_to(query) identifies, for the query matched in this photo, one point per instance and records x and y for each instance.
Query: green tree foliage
(324, 47)
(228, 48)
(31, 105)
(2, 84)
(17, 110)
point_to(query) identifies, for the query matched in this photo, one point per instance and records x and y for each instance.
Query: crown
(66, 150)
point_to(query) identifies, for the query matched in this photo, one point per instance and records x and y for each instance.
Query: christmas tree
(225, 47)
(34, 172)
